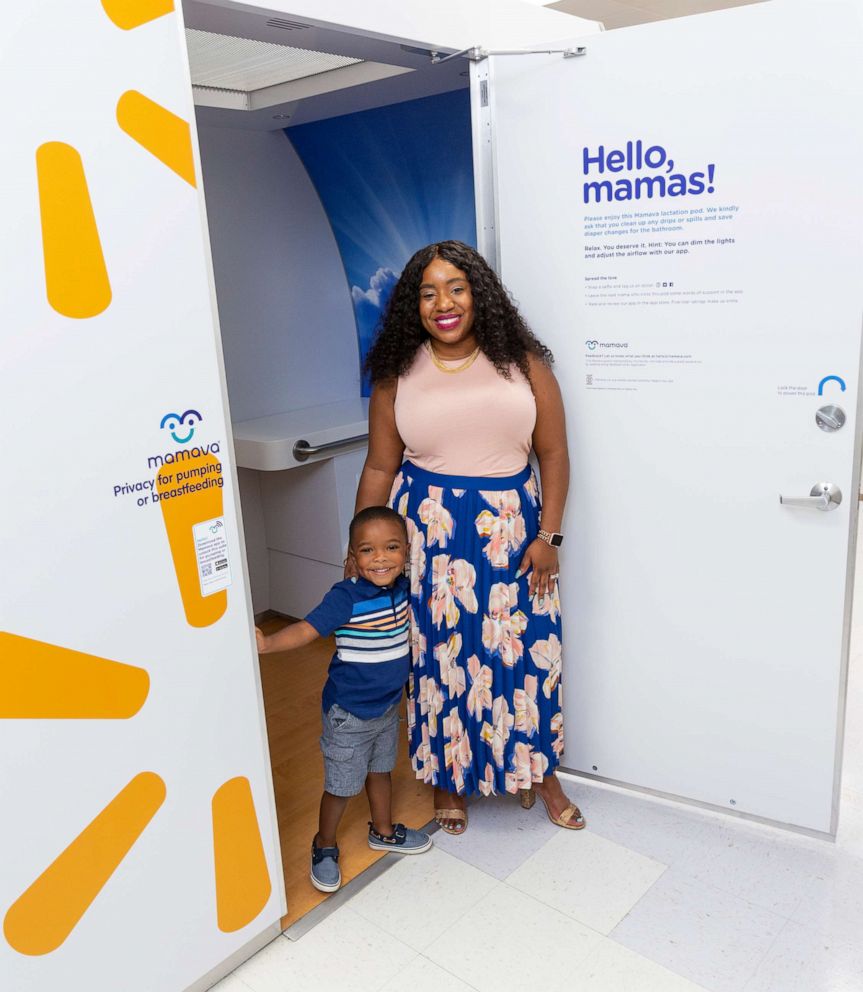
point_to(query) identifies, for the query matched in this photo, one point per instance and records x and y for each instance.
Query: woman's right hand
(261, 640)
(351, 567)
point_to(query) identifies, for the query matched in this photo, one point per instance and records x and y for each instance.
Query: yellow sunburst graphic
(127, 14)
(76, 279)
(162, 133)
(44, 916)
(39, 680)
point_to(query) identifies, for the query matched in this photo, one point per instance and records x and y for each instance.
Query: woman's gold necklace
(466, 364)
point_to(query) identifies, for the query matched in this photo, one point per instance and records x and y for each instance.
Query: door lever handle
(822, 496)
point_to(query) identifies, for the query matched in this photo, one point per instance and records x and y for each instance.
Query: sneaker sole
(375, 846)
(324, 886)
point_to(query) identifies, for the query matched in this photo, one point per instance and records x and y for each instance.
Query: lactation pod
(132, 720)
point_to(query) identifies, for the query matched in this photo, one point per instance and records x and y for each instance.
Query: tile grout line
(766, 953)
(448, 972)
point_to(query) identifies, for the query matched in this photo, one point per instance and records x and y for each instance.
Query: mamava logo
(591, 344)
(182, 429)
(174, 422)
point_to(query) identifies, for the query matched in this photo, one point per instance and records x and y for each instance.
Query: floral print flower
(549, 606)
(521, 765)
(531, 490)
(526, 710)
(556, 727)
(457, 751)
(452, 579)
(402, 508)
(425, 762)
(418, 642)
(398, 482)
(417, 559)
(496, 733)
(501, 627)
(546, 656)
(506, 530)
(436, 517)
(431, 702)
(412, 706)
(529, 765)
(538, 765)
(479, 697)
(486, 783)
(452, 675)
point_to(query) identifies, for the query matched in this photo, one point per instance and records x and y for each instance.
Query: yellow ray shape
(162, 133)
(127, 14)
(40, 681)
(180, 514)
(242, 878)
(49, 910)
(75, 275)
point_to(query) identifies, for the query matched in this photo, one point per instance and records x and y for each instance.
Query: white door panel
(704, 622)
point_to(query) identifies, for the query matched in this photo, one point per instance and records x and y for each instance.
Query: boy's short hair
(371, 513)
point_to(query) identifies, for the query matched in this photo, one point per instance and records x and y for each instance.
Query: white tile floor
(652, 897)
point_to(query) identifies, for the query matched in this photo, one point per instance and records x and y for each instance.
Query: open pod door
(679, 215)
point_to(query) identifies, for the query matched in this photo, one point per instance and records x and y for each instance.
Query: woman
(461, 390)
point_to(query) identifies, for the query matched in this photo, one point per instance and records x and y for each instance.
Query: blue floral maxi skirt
(484, 689)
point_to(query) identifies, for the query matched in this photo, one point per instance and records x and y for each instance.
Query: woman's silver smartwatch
(555, 540)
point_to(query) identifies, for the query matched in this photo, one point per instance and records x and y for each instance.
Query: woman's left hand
(542, 558)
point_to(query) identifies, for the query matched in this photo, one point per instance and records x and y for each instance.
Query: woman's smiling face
(446, 308)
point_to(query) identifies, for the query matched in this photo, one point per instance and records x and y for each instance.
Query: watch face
(556, 540)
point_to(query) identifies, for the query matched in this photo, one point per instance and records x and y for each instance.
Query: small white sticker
(211, 550)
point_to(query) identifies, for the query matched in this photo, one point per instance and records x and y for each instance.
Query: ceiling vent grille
(243, 64)
(280, 22)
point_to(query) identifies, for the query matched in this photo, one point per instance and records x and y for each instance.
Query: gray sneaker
(402, 840)
(325, 873)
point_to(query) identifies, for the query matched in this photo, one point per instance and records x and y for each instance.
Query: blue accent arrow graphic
(828, 378)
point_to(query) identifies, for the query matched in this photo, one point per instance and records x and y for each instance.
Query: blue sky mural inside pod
(391, 180)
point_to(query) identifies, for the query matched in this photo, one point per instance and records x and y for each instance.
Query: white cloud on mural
(380, 286)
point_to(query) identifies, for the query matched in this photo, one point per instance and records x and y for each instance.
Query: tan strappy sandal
(459, 815)
(569, 819)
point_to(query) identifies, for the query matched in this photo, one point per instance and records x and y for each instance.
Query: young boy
(363, 693)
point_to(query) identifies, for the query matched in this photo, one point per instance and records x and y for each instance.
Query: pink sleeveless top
(473, 422)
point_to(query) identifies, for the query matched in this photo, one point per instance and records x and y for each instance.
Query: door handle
(822, 496)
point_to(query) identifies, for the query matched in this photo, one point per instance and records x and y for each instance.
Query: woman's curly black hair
(500, 330)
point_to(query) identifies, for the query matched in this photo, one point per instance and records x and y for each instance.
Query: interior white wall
(287, 321)
(256, 538)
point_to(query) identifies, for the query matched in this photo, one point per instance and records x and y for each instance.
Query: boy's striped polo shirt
(370, 667)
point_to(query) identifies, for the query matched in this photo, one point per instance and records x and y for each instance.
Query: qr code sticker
(206, 569)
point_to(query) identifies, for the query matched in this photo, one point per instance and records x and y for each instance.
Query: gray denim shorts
(353, 747)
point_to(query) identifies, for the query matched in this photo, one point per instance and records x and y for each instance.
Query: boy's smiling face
(379, 548)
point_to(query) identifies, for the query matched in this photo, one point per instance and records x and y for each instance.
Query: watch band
(550, 538)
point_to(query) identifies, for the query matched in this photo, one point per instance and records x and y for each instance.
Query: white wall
(256, 538)
(287, 321)
(285, 310)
